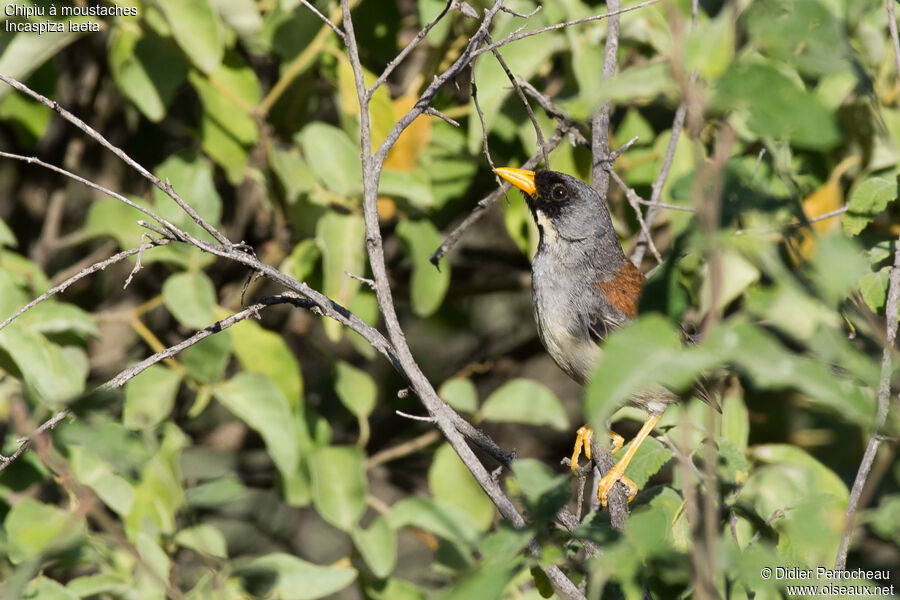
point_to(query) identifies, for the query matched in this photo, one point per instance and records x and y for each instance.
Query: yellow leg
(583, 438)
(618, 472)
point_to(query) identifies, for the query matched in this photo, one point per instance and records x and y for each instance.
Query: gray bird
(582, 288)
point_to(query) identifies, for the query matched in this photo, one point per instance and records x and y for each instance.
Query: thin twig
(521, 94)
(99, 266)
(324, 19)
(405, 52)
(371, 168)
(131, 372)
(165, 187)
(485, 203)
(634, 200)
(516, 36)
(404, 449)
(884, 384)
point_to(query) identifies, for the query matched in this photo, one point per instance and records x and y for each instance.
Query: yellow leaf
(405, 153)
(381, 109)
(824, 200)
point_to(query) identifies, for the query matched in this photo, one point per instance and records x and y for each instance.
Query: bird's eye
(558, 192)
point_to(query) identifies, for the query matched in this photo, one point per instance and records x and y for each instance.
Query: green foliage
(268, 461)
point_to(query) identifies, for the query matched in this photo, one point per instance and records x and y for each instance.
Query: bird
(583, 287)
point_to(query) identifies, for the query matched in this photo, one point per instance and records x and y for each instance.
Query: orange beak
(522, 179)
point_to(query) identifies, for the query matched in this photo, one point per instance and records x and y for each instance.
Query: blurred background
(268, 460)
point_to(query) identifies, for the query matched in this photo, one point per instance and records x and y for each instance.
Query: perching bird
(582, 288)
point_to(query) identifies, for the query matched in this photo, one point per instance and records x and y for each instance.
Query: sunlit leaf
(150, 397)
(450, 481)
(428, 285)
(377, 545)
(525, 401)
(339, 485)
(257, 401)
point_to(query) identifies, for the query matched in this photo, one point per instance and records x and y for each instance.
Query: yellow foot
(609, 480)
(617, 441)
(583, 438)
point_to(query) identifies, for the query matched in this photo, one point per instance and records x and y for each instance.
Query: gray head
(568, 212)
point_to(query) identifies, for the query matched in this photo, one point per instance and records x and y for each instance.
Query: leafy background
(268, 460)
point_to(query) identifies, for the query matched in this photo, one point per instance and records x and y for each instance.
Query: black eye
(559, 192)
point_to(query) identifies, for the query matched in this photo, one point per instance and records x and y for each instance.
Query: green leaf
(837, 267)
(450, 481)
(769, 364)
(23, 53)
(428, 285)
(460, 393)
(206, 360)
(776, 106)
(7, 237)
(339, 484)
(203, 539)
(486, 583)
(150, 397)
(867, 201)
(257, 401)
(33, 528)
(642, 354)
(377, 545)
(192, 177)
(392, 588)
(735, 421)
(51, 317)
(523, 59)
(216, 492)
(356, 389)
(279, 575)
(302, 260)
(144, 69)
(414, 186)
(440, 518)
(43, 588)
(885, 520)
(293, 172)
(196, 28)
(227, 95)
(89, 586)
(158, 496)
(333, 158)
(191, 298)
(737, 275)
(805, 34)
(262, 351)
(90, 470)
(341, 239)
(649, 458)
(55, 373)
(709, 48)
(525, 401)
(873, 287)
(116, 219)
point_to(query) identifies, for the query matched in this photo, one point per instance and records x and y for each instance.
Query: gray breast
(560, 314)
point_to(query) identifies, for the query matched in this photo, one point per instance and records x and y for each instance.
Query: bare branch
(371, 168)
(324, 19)
(516, 36)
(521, 94)
(165, 187)
(124, 376)
(600, 121)
(405, 52)
(884, 385)
(634, 200)
(99, 266)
